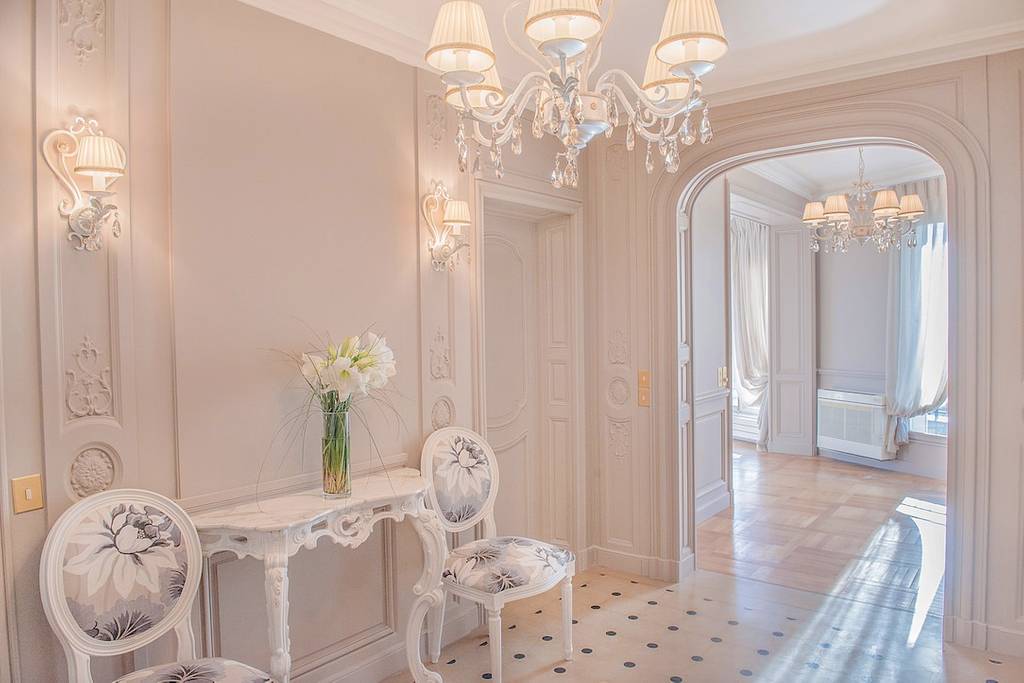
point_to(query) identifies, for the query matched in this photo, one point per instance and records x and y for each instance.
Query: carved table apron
(276, 528)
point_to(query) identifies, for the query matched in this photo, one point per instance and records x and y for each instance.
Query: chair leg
(434, 630)
(494, 638)
(567, 618)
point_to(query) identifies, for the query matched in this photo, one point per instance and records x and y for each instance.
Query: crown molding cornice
(990, 41)
(357, 22)
(362, 23)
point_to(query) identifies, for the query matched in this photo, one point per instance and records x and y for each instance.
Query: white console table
(275, 528)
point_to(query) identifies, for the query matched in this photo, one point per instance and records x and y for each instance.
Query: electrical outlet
(27, 493)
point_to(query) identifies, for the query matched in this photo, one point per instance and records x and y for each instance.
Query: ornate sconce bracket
(444, 243)
(87, 212)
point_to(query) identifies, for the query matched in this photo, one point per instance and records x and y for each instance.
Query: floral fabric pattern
(493, 565)
(462, 479)
(124, 568)
(198, 671)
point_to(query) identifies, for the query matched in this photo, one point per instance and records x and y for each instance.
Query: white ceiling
(774, 45)
(815, 174)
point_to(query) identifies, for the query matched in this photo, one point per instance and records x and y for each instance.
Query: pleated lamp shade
(478, 92)
(886, 204)
(911, 206)
(456, 215)
(100, 156)
(814, 212)
(549, 20)
(836, 208)
(692, 31)
(460, 41)
(658, 74)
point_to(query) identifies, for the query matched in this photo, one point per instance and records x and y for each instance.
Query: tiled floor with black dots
(717, 628)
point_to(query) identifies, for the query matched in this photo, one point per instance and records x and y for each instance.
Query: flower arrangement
(337, 378)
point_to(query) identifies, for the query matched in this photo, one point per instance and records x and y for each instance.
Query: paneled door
(512, 350)
(791, 326)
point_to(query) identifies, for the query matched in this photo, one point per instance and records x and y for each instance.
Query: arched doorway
(817, 128)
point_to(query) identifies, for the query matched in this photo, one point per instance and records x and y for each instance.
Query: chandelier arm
(610, 78)
(521, 94)
(502, 128)
(539, 63)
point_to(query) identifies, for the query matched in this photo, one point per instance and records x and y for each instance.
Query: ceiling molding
(783, 175)
(993, 40)
(361, 22)
(926, 168)
(357, 22)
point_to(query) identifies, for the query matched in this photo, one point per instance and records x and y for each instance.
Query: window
(935, 423)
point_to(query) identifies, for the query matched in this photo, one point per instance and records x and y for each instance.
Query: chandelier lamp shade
(863, 216)
(460, 45)
(566, 96)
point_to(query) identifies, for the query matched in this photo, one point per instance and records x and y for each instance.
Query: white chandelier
(570, 101)
(856, 218)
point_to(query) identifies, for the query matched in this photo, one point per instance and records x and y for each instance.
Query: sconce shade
(460, 41)
(836, 208)
(99, 155)
(456, 215)
(478, 92)
(691, 31)
(886, 204)
(911, 207)
(657, 74)
(559, 20)
(814, 212)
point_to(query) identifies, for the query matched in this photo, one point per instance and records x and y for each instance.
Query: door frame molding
(536, 198)
(817, 127)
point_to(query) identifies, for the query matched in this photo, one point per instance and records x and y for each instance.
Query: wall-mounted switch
(723, 377)
(27, 493)
(643, 390)
(644, 379)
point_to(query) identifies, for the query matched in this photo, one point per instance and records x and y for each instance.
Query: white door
(791, 325)
(511, 348)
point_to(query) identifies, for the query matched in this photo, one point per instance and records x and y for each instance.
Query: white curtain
(749, 251)
(917, 324)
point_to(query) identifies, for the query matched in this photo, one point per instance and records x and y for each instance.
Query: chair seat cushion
(214, 670)
(494, 565)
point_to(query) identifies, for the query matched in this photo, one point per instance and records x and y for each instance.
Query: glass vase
(337, 480)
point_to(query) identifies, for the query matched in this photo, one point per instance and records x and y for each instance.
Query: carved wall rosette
(92, 471)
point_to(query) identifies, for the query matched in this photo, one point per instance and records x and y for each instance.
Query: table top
(284, 511)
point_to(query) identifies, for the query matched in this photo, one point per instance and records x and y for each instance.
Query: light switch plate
(27, 493)
(643, 397)
(644, 379)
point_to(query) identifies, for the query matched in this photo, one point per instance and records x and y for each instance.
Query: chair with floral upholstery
(120, 569)
(491, 571)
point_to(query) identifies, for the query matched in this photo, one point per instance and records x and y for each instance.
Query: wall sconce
(92, 154)
(446, 238)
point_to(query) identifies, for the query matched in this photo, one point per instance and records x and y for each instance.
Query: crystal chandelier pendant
(461, 146)
(686, 133)
(630, 135)
(706, 133)
(649, 162)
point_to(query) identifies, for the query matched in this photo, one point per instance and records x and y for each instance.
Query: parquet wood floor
(816, 524)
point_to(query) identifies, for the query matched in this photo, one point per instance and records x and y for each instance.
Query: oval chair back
(464, 472)
(120, 569)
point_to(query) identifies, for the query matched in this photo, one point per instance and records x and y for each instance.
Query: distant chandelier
(855, 217)
(569, 101)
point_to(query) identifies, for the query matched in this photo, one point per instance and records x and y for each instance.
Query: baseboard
(982, 636)
(390, 660)
(659, 568)
(712, 500)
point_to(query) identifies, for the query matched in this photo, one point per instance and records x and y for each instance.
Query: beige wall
(265, 202)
